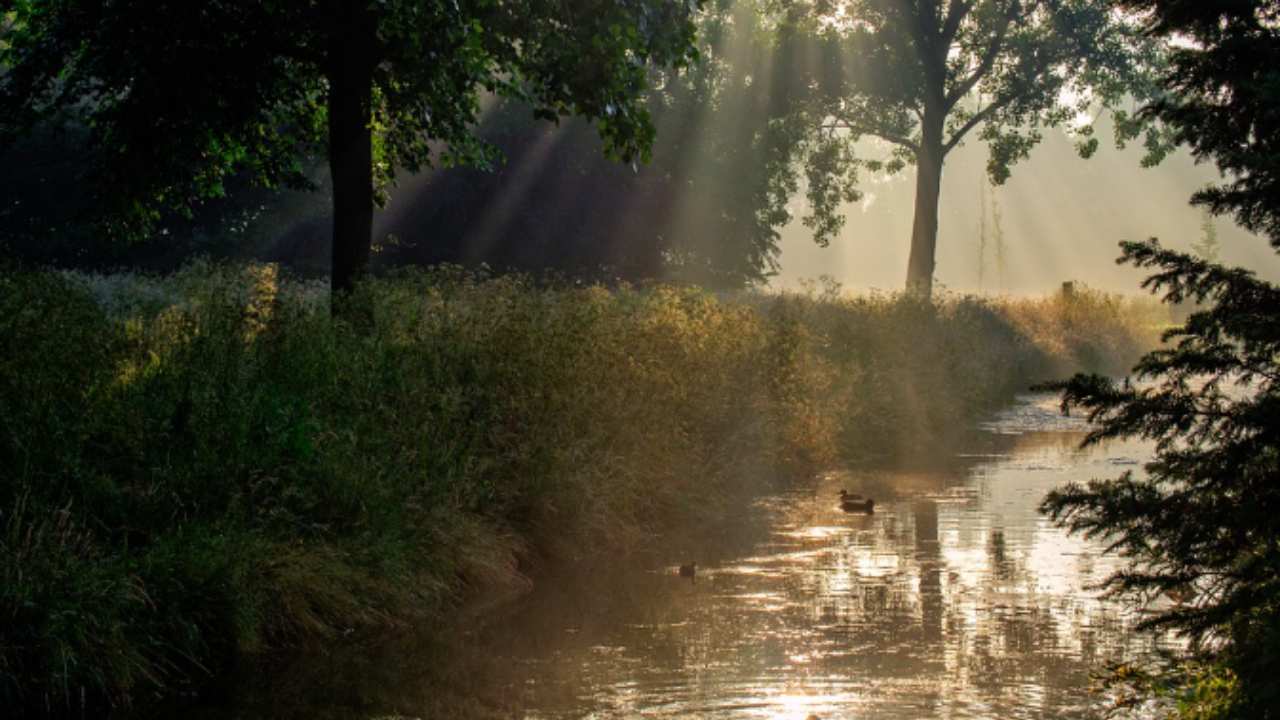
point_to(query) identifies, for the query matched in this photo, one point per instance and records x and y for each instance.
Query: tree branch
(885, 135)
(995, 107)
(988, 58)
(978, 117)
(956, 14)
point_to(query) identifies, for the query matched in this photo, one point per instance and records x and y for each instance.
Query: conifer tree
(1203, 522)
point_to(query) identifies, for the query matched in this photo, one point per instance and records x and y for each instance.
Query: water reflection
(955, 599)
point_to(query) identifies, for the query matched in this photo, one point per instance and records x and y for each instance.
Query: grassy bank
(207, 464)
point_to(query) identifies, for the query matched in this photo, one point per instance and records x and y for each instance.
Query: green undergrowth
(206, 465)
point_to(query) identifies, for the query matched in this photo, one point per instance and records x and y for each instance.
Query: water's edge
(954, 599)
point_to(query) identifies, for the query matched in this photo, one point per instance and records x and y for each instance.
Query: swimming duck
(856, 503)
(690, 570)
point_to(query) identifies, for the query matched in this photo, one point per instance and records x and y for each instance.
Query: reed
(203, 465)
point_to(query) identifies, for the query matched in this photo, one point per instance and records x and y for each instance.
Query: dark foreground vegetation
(209, 465)
(1201, 524)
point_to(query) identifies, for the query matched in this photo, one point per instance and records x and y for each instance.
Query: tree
(1203, 522)
(179, 96)
(702, 210)
(906, 72)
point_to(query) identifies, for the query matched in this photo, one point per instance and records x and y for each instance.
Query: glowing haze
(1061, 217)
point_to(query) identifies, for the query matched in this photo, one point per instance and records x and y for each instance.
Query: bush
(208, 464)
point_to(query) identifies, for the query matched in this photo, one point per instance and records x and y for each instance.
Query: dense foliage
(781, 103)
(1200, 525)
(177, 102)
(707, 208)
(1204, 516)
(209, 464)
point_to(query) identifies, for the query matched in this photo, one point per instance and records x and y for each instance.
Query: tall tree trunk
(924, 230)
(351, 63)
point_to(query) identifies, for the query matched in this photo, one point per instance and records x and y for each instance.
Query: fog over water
(1062, 218)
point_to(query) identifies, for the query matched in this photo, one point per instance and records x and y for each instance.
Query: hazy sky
(1062, 218)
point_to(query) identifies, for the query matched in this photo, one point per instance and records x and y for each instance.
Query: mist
(1062, 217)
(403, 359)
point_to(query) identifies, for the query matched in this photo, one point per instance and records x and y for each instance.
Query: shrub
(208, 464)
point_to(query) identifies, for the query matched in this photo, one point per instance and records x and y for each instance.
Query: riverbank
(207, 465)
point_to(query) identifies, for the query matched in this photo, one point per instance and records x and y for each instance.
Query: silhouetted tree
(180, 96)
(1202, 524)
(924, 75)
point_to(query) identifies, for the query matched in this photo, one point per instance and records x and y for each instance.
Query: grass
(205, 465)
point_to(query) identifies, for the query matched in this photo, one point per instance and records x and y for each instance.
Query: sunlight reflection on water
(956, 599)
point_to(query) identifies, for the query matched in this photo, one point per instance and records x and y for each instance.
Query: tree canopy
(704, 209)
(921, 76)
(180, 97)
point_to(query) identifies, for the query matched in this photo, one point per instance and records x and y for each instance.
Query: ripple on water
(1032, 413)
(955, 599)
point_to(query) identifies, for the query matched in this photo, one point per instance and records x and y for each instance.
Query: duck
(689, 571)
(850, 502)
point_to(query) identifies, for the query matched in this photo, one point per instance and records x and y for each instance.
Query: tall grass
(207, 464)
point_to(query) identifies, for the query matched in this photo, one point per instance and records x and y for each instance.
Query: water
(955, 599)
